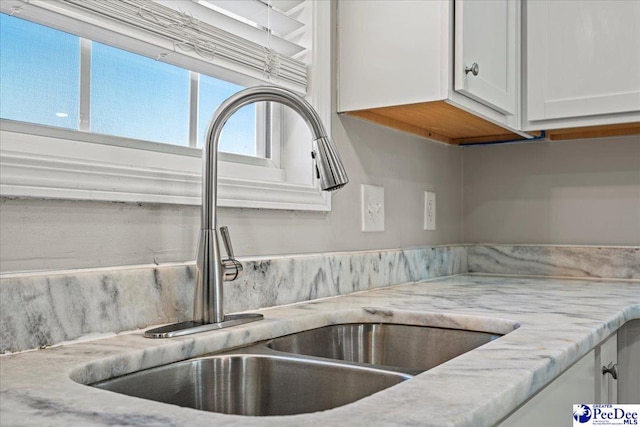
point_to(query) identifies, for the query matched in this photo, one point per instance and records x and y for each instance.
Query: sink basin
(309, 371)
(411, 349)
(254, 384)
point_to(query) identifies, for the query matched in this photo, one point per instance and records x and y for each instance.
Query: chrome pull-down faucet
(212, 271)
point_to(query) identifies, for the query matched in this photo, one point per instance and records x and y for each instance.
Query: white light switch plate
(372, 207)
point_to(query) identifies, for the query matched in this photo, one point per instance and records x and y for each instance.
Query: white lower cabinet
(584, 382)
(629, 362)
(606, 366)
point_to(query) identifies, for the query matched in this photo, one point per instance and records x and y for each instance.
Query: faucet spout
(212, 271)
(331, 170)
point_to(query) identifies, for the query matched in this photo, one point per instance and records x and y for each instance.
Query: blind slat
(259, 13)
(218, 20)
(286, 5)
(190, 34)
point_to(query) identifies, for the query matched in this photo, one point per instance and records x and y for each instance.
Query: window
(129, 95)
(121, 117)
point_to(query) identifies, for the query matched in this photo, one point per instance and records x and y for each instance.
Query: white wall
(50, 234)
(568, 192)
(584, 192)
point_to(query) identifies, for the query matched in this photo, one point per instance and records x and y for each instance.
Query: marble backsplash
(45, 309)
(41, 309)
(559, 261)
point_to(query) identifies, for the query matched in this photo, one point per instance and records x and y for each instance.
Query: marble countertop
(549, 324)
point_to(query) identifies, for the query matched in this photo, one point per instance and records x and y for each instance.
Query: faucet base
(190, 327)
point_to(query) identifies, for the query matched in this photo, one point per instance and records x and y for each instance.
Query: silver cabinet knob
(612, 369)
(474, 69)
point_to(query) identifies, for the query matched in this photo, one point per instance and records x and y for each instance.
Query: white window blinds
(266, 40)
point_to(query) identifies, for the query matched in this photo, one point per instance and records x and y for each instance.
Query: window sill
(35, 166)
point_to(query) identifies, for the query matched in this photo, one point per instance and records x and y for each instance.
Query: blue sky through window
(137, 97)
(131, 95)
(238, 134)
(39, 84)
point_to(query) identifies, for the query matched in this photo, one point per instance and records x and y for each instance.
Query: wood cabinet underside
(443, 122)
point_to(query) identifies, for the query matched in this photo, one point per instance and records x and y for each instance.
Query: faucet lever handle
(231, 266)
(226, 239)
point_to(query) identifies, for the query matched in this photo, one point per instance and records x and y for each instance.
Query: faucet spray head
(330, 170)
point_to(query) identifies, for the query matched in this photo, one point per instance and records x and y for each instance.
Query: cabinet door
(486, 35)
(581, 383)
(582, 58)
(606, 357)
(391, 53)
(629, 362)
(553, 405)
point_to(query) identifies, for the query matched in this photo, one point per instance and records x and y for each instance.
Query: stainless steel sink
(255, 384)
(305, 372)
(411, 349)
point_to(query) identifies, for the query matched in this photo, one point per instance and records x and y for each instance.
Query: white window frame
(44, 162)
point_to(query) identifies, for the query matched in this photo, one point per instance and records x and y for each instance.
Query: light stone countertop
(549, 324)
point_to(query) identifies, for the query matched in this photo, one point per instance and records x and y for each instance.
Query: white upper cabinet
(392, 52)
(582, 63)
(471, 71)
(396, 66)
(486, 52)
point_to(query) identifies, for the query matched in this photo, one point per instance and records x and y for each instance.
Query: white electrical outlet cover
(429, 210)
(372, 208)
